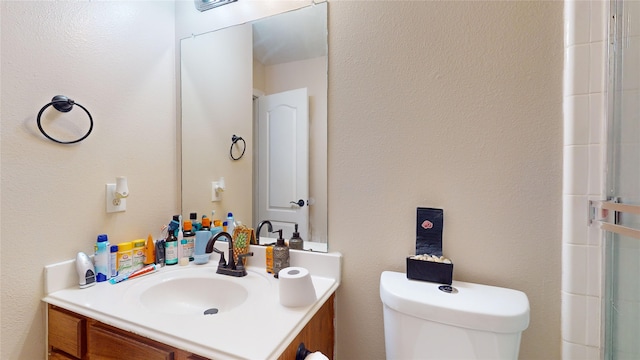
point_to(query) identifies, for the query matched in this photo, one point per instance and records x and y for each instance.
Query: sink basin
(195, 291)
(194, 296)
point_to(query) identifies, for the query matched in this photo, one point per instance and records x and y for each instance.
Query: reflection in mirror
(266, 82)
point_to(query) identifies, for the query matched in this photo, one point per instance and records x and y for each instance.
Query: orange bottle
(149, 251)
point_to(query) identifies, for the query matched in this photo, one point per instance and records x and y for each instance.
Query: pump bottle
(296, 241)
(280, 254)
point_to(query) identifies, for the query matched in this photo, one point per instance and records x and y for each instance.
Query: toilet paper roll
(316, 356)
(296, 287)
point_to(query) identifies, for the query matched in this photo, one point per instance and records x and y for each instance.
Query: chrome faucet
(269, 228)
(231, 268)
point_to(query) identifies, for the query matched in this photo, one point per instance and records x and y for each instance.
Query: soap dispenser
(296, 241)
(280, 254)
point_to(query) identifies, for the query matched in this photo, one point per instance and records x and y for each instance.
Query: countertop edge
(64, 276)
(188, 346)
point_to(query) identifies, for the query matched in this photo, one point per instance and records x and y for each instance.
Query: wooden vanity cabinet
(317, 335)
(67, 334)
(73, 336)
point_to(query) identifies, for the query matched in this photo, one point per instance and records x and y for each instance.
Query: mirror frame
(320, 203)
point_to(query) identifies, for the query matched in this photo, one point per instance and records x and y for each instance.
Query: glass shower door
(622, 245)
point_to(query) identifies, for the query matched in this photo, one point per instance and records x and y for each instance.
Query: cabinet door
(106, 342)
(317, 335)
(66, 334)
(58, 355)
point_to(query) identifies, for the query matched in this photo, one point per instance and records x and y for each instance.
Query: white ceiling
(292, 36)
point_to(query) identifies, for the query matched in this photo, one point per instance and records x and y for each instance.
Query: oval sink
(195, 291)
(194, 296)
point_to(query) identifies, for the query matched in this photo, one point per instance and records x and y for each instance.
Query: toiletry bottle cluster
(180, 241)
(122, 258)
(277, 256)
(176, 245)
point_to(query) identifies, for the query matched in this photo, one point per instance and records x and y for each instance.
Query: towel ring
(234, 140)
(64, 104)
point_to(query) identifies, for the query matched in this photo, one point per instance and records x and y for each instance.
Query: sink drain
(211, 311)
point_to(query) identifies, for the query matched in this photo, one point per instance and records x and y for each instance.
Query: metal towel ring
(64, 104)
(234, 140)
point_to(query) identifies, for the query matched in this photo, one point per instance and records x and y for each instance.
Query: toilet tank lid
(473, 306)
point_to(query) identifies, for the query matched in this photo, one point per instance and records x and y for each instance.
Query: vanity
(190, 312)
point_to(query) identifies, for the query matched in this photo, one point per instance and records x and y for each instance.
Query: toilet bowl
(424, 320)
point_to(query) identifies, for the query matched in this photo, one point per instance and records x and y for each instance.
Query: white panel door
(283, 161)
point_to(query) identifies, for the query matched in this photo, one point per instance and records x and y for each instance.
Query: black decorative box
(429, 271)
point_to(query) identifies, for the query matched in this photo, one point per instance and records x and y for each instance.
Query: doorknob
(299, 202)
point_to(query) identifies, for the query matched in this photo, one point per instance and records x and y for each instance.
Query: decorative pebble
(431, 258)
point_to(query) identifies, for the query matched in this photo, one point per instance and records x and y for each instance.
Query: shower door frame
(615, 227)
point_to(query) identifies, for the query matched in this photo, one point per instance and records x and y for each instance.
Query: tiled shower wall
(585, 96)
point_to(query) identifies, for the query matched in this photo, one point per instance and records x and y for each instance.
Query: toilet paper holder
(304, 354)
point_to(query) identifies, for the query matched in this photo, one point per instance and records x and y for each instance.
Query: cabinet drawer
(107, 342)
(66, 332)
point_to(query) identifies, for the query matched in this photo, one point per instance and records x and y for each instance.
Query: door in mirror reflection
(283, 160)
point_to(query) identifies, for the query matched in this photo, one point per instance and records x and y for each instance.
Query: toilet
(425, 320)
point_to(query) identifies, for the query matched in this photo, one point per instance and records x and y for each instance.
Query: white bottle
(182, 260)
(101, 258)
(231, 224)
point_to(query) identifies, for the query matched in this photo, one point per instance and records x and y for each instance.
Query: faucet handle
(222, 262)
(240, 264)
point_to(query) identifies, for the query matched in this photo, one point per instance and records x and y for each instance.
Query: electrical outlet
(114, 204)
(215, 195)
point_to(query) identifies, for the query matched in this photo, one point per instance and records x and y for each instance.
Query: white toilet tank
(472, 322)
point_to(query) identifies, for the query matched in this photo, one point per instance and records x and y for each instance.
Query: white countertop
(262, 330)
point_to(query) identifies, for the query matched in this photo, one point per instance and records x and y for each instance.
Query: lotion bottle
(280, 254)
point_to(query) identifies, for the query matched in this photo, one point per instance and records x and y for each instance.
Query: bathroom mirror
(266, 82)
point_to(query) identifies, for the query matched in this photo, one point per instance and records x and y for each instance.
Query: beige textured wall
(455, 105)
(117, 60)
(448, 104)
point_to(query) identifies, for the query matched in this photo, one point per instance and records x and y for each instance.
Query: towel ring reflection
(64, 104)
(234, 140)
